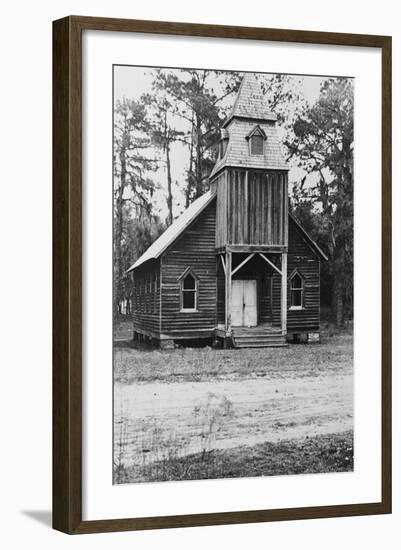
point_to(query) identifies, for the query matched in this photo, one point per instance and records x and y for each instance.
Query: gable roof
(250, 102)
(308, 238)
(174, 230)
(256, 131)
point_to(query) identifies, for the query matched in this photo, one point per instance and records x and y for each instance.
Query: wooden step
(259, 341)
(256, 333)
(277, 334)
(258, 337)
(260, 345)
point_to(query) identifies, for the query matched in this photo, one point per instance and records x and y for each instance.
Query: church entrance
(244, 303)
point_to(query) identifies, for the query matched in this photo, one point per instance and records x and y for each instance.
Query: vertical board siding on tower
(221, 294)
(194, 249)
(254, 211)
(301, 257)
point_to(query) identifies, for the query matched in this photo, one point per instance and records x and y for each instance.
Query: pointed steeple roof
(250, 112)
(250, 102)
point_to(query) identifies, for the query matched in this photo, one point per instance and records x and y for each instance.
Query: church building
(235, 267)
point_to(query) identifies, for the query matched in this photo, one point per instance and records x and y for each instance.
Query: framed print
(221, 275)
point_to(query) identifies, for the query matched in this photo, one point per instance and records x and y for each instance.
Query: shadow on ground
(40, 516)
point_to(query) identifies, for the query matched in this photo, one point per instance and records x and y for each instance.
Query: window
(257, 144)
(155, 294)
(256, 140)
(296, 291)
(189, 290)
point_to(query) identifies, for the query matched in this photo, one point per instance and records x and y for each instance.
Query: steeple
(250, 102)
(250, 121)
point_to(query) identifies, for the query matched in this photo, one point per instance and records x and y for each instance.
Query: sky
(132, 82)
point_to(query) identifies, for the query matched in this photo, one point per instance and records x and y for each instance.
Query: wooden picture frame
(67, 274)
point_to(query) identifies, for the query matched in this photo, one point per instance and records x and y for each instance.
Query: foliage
(183, 107)
(163, 135)
(133, 189)
(284, 97)
(192, 92)
(323, 145)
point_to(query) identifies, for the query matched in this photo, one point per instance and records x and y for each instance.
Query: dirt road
(155, 420)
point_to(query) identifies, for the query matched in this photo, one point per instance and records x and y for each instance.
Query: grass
(162, 454)
(132, 365)
(319, 454)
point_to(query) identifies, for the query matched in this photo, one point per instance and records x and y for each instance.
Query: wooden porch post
(228, 292)
(284, 293)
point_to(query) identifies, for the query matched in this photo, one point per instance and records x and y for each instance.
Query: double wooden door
(244, 303)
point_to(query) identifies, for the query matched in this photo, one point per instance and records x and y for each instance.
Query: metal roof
(174, 230)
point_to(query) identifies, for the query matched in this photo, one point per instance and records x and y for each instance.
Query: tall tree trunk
(118, 286)
(338, 286)
(191, 167)
(169, 190)
(198, 167)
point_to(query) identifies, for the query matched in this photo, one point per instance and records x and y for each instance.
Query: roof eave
(309, 238)
(168, 245)
(270, 118)
(245, 167)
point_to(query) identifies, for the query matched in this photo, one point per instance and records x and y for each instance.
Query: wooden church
(235, 266)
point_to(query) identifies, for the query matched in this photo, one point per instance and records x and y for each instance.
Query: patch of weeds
(210, 416)
(318, 454)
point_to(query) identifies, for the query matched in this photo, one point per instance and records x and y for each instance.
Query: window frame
(257, 131)
(186, 273)
(251, 142)
(294, 274)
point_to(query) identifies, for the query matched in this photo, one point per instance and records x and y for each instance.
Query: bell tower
(250, 179)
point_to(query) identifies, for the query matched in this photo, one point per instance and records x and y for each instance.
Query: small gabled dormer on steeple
(250, 116)
(256, 140)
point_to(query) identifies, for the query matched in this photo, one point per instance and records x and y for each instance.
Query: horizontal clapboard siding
(301, 257)
(194, 249)
(146, 310)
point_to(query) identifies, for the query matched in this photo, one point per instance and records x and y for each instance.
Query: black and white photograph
(233, 283)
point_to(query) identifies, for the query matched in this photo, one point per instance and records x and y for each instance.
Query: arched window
(257, 144)
(296, 291)
(256, 139)
(189, 292)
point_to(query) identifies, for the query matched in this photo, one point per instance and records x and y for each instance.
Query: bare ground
(175, 404)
